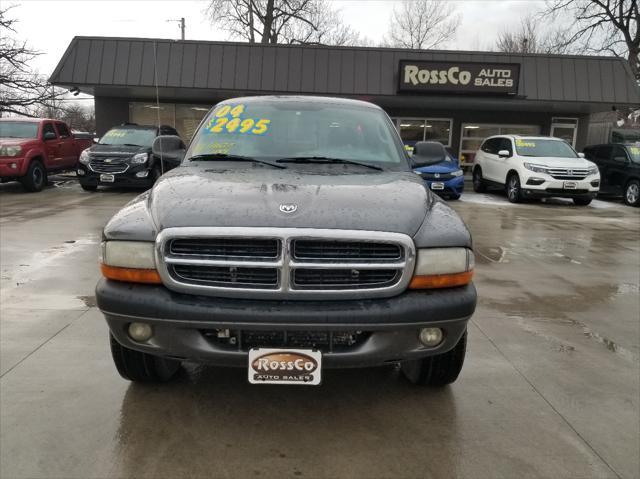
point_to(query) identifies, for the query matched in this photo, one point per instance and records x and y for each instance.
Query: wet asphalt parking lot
(550, 387)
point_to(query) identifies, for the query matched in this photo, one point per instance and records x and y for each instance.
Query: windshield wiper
(225, 156)
(326, 159)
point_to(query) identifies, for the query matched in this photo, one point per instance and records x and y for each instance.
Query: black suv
(619, 166)
(123, 157)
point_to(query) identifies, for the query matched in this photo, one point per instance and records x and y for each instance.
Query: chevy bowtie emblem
(108, 160)
(288, 208)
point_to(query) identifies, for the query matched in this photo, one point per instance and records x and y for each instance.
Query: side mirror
(504, 154)
(49, 135)
(168, 147)
(427, 153)
(580, 155)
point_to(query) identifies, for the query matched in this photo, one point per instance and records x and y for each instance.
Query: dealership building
(457, 98)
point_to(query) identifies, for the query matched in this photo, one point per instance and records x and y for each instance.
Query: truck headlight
(10, 150)
(535, 168)
(592, 170)
(139, 158)
(84, 157)
(458, 173)
(442, 268)
(130, 261)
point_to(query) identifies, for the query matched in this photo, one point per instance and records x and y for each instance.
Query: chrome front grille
(568, 173)
(284, 262)
(108, 165)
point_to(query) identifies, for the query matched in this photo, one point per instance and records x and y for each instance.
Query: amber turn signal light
(441, 280)
(130, 275)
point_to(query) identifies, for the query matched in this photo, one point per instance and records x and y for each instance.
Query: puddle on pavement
(89, 301)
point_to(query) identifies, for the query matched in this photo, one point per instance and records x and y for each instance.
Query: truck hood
(117, 150)
(252, 196)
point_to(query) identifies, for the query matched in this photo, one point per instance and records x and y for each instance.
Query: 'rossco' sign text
(459, 77)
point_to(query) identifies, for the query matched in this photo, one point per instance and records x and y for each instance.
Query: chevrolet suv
(535, 167)
(293, 238)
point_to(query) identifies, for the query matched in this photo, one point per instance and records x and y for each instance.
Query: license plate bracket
(106, 178)
(570, 185)
(438, 186)
(285, 366)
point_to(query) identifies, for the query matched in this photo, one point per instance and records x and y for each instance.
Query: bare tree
(533, 37)
(602, 26)
(422, 24)
(21, 89)
(280, 21)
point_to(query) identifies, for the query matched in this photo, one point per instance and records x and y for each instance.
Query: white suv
(535, 167)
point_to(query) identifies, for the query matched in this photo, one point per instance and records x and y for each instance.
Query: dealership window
(183, 117)
(413, 130)
(565, 128)
(473, 134)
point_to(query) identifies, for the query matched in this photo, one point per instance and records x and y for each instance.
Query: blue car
(444, 178)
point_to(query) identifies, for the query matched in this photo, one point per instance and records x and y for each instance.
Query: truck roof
(303, 98)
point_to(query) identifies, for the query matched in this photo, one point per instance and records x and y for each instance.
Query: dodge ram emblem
(288, 207)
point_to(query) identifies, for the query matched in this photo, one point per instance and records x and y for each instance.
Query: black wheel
(141, 367)
(155, 174)
(632, 193)
(581, 201)
(454, 197)
(89, 187)
(514, 192)
(437, 370)
(478, 182)
(36, 177)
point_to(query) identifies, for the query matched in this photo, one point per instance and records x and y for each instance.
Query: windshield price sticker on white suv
(285, 366)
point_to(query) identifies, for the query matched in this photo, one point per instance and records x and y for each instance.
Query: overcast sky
(49, 25)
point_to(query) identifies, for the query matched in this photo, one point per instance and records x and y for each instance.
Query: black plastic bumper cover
(178, 321)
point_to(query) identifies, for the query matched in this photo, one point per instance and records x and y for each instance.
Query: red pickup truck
(31, 148)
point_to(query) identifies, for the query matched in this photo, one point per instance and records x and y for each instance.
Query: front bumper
(8, 171)
(179, 322)
(89, 177)
(544, 186)
(454, 186)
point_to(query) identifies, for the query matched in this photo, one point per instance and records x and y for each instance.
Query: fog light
(140, 331)
(142, 174)
(14, 166)
(80, 172)
(430, 337)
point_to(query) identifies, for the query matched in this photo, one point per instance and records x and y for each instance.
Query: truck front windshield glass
(128, 136)
(18, 129)
(634, 152)
(544, 148)
(272, 130)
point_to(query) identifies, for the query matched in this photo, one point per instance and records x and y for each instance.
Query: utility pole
(182, 26)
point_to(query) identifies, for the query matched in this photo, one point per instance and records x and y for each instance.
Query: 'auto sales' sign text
(459, 77)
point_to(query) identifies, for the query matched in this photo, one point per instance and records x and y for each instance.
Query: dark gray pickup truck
(293, 238)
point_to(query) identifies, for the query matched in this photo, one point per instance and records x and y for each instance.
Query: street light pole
(182, 27)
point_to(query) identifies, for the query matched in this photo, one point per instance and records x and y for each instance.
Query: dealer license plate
(107, 178)
(285, 366)
(570, 185)
(437, 186)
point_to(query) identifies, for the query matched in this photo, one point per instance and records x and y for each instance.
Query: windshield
(634, 153)
(18, 129)
(278, 129)
(128, 136)
(544, 148)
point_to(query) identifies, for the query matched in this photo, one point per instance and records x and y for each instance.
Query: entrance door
(565, 128)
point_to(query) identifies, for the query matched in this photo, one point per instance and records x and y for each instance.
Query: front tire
(632, 193)
(89, 187)
(36, 177)
(514, 191)
(439, 370)
(454, 197)
(478, 183)
(141, 367)
(582, 201)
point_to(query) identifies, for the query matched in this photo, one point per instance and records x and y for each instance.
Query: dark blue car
(444, 178)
